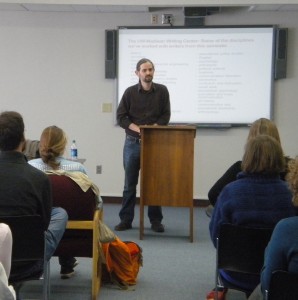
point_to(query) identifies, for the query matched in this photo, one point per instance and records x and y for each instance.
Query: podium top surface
(168, 127)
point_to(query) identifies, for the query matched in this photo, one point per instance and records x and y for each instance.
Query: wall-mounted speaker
(110, 55)
(280, 65)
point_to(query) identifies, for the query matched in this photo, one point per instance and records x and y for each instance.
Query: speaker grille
(110, 39)
(280, 70)
(281, 43)
(110, 55)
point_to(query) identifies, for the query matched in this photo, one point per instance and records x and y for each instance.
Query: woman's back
(258, 198)
(253, 200)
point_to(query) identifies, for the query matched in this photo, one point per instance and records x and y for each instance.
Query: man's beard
(148, 78)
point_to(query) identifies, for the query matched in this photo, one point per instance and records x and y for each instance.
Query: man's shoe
(123, 226)
(157, 227)
(68, 271)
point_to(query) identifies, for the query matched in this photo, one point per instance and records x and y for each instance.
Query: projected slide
(214, 75)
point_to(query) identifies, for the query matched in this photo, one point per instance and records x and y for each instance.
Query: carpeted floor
(173, 269)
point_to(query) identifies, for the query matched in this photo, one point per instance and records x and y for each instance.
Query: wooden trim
(118, 200)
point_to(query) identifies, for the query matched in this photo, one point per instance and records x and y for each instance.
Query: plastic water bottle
(73, 151)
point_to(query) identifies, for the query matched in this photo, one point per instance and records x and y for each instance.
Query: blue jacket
(255, 200)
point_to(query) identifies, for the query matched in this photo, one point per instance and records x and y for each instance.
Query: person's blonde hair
(263, 126)
(263, 154)
(53, 146)
(292, 178)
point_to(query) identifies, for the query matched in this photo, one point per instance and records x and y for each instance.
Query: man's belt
(132, 138)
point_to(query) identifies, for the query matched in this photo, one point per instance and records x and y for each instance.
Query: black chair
(283, 286)
(28, 248)
(240, 249)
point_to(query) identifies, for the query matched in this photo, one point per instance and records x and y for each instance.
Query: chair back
(283, 285)
(28, 250)
(28, 237)
(68, 194)
(241, 249)
(80, 206)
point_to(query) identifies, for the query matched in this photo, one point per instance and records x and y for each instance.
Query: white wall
(52, 72)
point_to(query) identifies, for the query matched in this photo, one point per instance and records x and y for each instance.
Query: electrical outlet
(167, 19)
(98, 169)
(106, 107)
(154, 19)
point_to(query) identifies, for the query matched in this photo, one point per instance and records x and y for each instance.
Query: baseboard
(118, 200)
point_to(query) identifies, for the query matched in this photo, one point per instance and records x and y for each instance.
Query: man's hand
(135, 128)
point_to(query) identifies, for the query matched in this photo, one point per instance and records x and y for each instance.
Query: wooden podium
(167, 160)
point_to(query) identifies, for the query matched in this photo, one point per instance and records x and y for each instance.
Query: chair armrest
(79, 225)
(86, 224)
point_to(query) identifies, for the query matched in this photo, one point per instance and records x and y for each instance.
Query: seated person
(52, 146)
(260, 126)
(31, 149)
(24, 190)
(6, 291)
(282, 250)
(258, 198)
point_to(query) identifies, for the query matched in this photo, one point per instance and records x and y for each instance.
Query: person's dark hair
(263, 154)
(143, 61)
(11, 130)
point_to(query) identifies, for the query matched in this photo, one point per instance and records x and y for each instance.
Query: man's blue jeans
(131, 164)
(55, 230)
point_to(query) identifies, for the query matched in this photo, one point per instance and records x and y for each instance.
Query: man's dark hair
(143, 61)
(11, 130)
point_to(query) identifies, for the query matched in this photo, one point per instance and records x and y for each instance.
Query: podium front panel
(167, 158)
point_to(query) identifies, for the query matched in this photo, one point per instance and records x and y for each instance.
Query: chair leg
(219, 286)
(96, 259)
(96, 274)
(17, 290)
(49, 282)
(17, 287)
(46, 281)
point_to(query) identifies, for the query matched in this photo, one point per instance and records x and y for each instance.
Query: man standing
(145, 103)
(24, 190)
